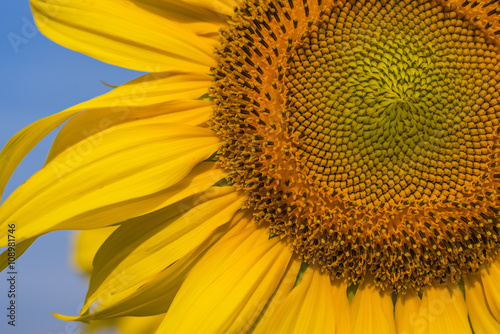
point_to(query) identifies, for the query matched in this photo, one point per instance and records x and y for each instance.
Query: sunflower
(312, 166)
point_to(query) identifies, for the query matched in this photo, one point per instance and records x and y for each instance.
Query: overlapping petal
(145, 246)
(156, 295)
(372, 311)
(279, 296)
(144, 299)
(490, 276)
(94, 121)
(86, 244)
(230, 285)
(120, 105)
(308, 308)
(133, 160)
(443, 310)
(481, 318)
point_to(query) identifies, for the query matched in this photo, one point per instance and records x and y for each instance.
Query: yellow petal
(9, 256)
(490, 276)
(86, 244)
(236, 298)
(143, 91)
(230, 284)
(372, 311)
(133, 160)
(443, 310)
(198, 19)
(285, 287)
(203, 176)
(220, 6)
(309, 308)
(139, 325)
(121, 33)
(94, 121)
(483, 322)
(342, 309)
(145, 246)
(406, 313)
(155, 296)
(145, 299)
(266, 293)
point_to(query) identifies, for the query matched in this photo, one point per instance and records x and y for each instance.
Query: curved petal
(156, 295)
(483, 322)
(285, 287)
(148, 244)
(144, 299)
(229, 286)
(145, 90)
(372, 311)
(202, 177)
(86, 243)
(131, 161)
(309, 308)
(6, 257)
(121, 33)
(94, 121)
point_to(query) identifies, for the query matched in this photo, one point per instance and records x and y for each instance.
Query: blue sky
(40, 78)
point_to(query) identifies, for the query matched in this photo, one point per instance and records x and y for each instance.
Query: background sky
(40, 78)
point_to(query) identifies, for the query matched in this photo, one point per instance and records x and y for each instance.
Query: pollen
(366, 133)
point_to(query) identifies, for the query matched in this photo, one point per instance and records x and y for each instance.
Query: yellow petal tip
(66, 317)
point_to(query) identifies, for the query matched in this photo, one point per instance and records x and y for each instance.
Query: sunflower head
(365, 132)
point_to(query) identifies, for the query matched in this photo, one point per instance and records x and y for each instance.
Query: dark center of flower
(366, 133)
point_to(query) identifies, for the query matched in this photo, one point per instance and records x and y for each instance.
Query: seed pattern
(366, 132)
(385, 113)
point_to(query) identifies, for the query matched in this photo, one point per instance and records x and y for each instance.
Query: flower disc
(366, 132)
